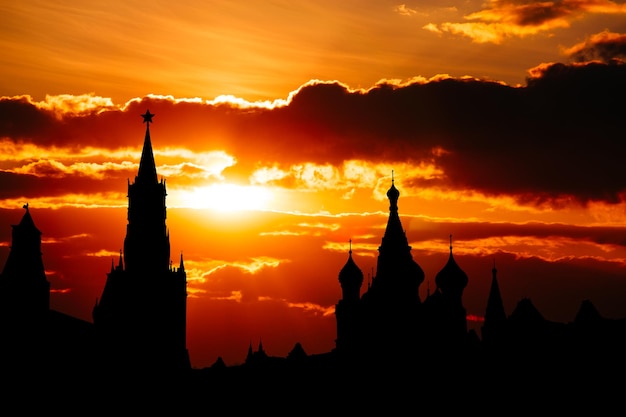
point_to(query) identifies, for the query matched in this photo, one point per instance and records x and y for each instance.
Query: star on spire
(147, 117)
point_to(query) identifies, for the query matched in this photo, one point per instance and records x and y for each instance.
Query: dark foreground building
(141, 317)
(35, 340)
(389, 322)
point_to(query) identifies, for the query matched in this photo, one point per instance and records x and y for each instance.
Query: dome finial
(450, 243)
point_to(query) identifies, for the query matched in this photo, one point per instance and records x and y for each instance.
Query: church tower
(347, 310)
(141, 316)
(398, 276)
(24, 288)
(389, 311)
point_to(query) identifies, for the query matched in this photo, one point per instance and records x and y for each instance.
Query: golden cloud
(95, 200)
(504, 19)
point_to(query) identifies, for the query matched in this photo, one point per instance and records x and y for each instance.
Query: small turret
(451, 280)
(350, 278)
(181, 266)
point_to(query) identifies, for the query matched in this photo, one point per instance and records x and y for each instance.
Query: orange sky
(277, 127)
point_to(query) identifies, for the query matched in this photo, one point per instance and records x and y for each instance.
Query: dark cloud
(543, 13)
(469, 231)
(560, 137)
(604, 47)
(19, 118)
(538, 13)
(14, 186)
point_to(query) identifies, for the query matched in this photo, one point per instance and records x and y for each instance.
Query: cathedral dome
(351, 279)
(393, 194)
(350, 275)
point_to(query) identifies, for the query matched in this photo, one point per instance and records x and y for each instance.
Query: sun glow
(224, 197)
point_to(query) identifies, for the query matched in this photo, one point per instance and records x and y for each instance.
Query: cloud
(605, 47)
(312, 308)
(503, 19)
(64, 104)
(404, 10)
(555, 142)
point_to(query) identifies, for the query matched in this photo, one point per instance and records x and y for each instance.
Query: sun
(225, 197)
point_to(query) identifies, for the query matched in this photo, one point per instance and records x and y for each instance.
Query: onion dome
(451, 279)
(393, 194)
(350, 278)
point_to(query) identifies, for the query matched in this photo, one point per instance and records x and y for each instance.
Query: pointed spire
(250, 353)
(450, 244)
(120, 264)
(181, 265)
(147, 166)
(494, 313)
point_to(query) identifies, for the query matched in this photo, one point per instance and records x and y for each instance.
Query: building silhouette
(24, 287)
(34, 338)
(140, 319)
(390, 322)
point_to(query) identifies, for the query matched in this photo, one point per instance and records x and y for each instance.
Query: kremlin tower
(140, 318)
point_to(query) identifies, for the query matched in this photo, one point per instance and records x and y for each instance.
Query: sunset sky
(277, 127)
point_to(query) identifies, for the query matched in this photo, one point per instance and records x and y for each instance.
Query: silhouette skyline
(139, 324)
(257, 190)
(279, 130)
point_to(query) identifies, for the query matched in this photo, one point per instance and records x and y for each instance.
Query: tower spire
(495, 316)
(147, 167)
